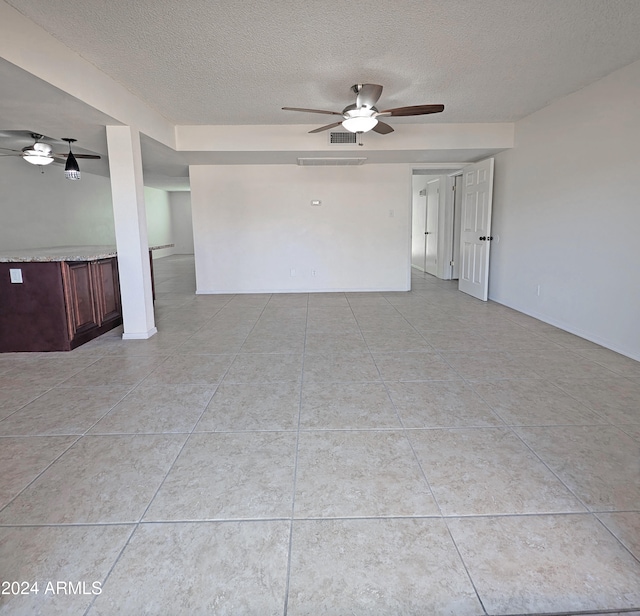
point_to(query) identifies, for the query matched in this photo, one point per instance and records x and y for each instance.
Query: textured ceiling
(239, 62)
(235, 62)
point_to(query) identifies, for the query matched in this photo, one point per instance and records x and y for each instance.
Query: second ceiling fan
(41, 154)
(362, 116)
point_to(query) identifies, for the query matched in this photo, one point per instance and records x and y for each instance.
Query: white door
(418, 222)
(475, 234)
(431, 228)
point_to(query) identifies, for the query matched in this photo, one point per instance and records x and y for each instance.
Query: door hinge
(451, 263)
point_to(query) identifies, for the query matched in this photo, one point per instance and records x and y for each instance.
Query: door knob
(484, 237)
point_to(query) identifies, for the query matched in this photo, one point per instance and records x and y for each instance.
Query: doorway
(431, 227)
(425, 224)
(451, 224)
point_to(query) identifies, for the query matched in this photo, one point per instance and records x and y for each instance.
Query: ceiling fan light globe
(359, 124)
(37, 158)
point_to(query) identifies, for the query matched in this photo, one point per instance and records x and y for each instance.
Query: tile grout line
(250, 520)
(141, 518)
(295, 469)
(47, 467)
(424, 476)
(512, 430)
(468, 382)
(588, 511)
(137, 524)
(108, 573)
(71, 445)
(597, 515)
(51, 387)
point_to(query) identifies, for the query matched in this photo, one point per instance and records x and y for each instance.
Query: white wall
(39, 210)
(567, 211)
(44, 209)
(159, 229)
(254, 224)
(181, 222)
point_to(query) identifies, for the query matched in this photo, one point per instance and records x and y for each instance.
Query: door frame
(418, 223)
(433, 229)
(447, 171)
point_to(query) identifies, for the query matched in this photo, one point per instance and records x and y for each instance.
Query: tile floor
(361, 453)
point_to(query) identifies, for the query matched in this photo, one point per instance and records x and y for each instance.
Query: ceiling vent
(342, 138)
(330, 162)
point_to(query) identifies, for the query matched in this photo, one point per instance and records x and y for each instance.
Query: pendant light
(71, 169)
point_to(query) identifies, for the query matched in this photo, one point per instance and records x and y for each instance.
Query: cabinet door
(81, 298)
(107, 289)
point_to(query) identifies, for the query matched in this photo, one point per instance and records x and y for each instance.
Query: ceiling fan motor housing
(353, 111)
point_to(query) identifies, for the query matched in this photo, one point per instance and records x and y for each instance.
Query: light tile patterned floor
(362, 453)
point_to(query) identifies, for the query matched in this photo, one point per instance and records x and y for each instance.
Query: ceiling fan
(41, 153)
(362, 116)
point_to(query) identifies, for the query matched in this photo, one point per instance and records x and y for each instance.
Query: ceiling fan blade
(66, 154)
(382, 128)
(327, 127)
(368, 95)
(412, 111)
(312, 110)
(11, 150)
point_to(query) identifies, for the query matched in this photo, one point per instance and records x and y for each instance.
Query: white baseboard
(276, 291)
(140, 335)
(567, 327)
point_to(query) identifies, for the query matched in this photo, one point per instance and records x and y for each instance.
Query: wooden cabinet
(59, 305)
(80, 296)
(107, 290)
(92, 297)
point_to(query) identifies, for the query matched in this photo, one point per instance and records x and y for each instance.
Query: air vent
(330, 162)
(342, 138)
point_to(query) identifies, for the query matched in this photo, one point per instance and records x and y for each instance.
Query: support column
(129, 214)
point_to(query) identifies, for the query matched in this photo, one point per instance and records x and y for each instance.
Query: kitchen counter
(55, 299)
(64, 253)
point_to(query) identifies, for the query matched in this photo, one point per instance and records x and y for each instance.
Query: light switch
(316, 202)
(15, 275)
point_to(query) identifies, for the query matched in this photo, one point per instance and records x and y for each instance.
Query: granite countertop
(64, 253)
